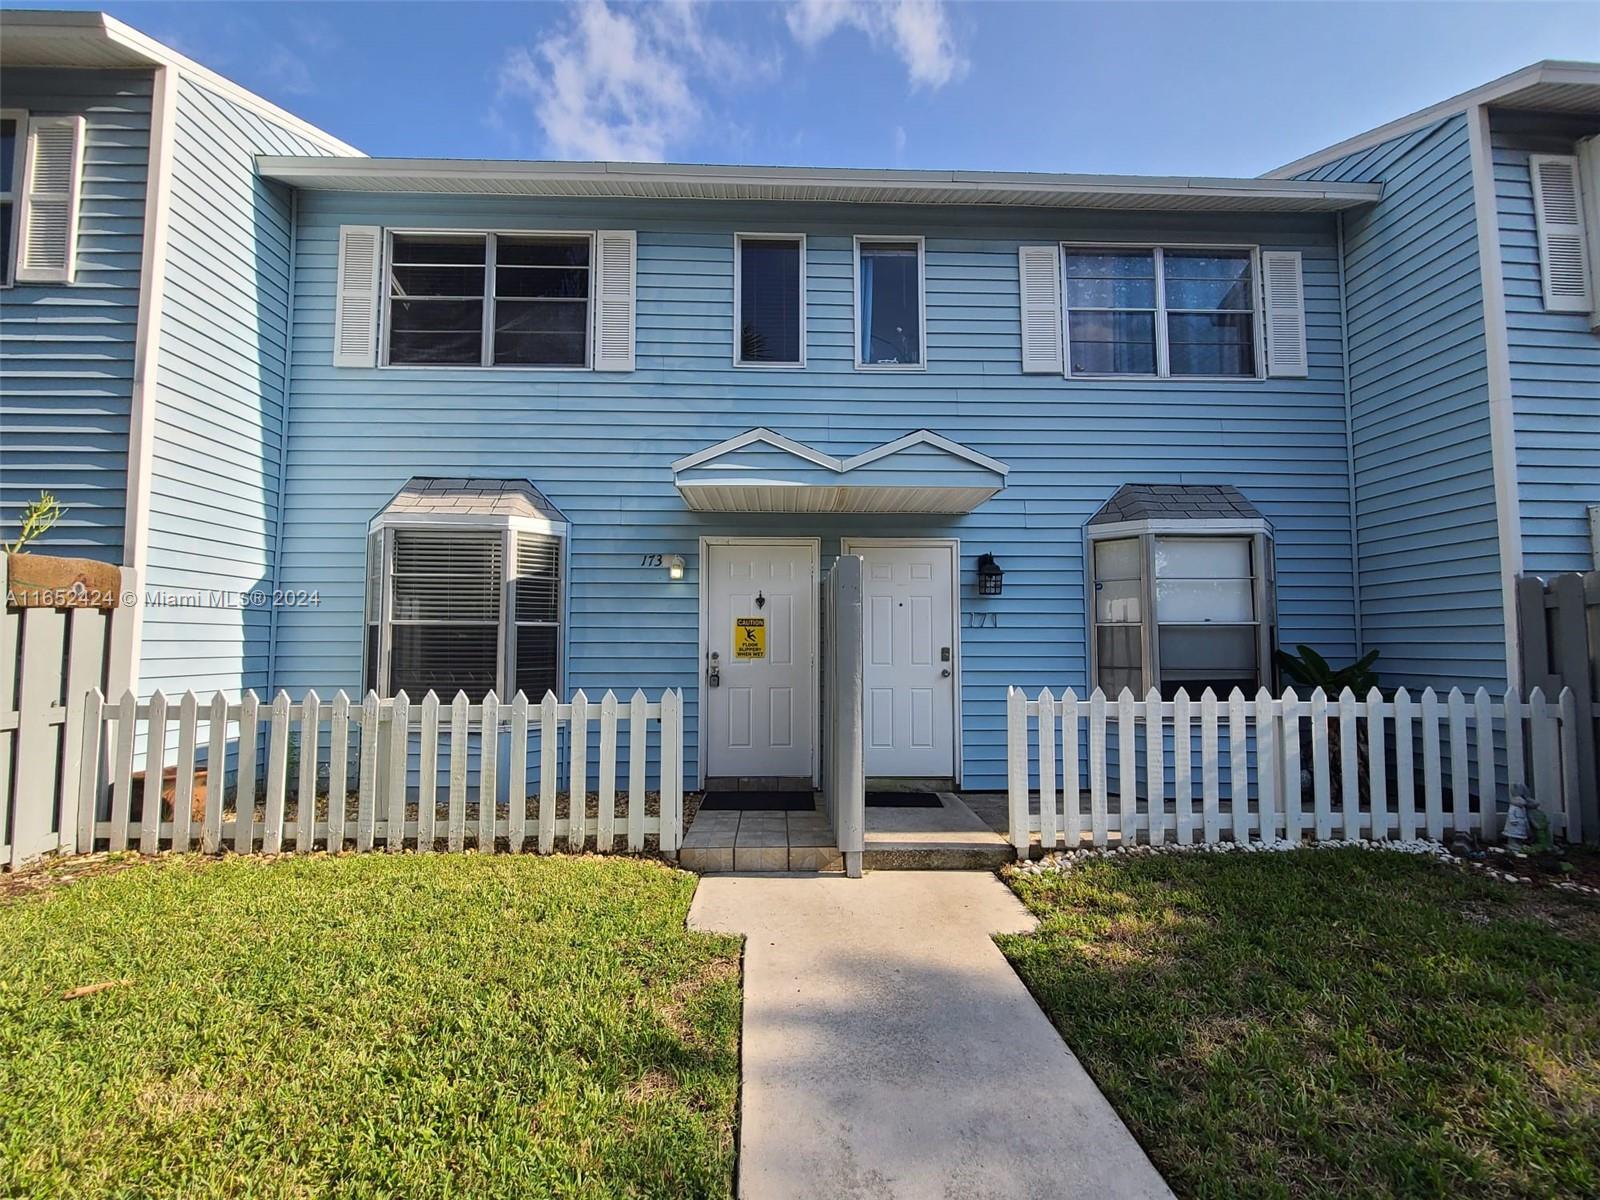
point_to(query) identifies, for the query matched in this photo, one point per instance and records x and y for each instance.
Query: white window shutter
(615, 252)
(52, 175)
(1039, 280)
(1558, 220)
(355, 313)
(1589, 185)
(1284, 288)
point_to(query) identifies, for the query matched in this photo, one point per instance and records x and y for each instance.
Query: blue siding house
(142, 336)
(503, 425)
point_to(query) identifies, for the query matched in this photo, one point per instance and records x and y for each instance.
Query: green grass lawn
(1329, 1022)
(369, 1025)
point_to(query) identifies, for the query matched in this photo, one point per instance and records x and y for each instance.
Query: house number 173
(650, 560)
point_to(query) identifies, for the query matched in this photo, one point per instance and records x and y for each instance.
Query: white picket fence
(1212, 769)
(450, 780)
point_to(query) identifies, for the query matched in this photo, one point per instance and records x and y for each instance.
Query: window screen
(489, 300)
(538, 615)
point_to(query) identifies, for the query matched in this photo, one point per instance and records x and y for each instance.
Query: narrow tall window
(538, 615)
(13, 138)
(889, 303)
(771, 301)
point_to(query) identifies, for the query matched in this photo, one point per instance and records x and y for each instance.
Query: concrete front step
(978, 856)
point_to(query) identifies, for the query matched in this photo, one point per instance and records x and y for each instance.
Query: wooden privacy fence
(1268, 769)
(1558, 631)
(51, 653)
(388, 774)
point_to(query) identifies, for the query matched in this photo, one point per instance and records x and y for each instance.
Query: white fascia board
(1547, 72)
(634, 180)
(1199, 525)
(403, 519)
(926, 437)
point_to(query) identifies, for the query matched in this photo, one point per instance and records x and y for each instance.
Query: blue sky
(1162, 88)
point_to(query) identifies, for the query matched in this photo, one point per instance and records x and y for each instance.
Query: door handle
(945, 674)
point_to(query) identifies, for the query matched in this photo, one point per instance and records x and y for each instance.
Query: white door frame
(814, 546)
(847, 545)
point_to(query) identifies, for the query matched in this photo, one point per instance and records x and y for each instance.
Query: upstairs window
(13, 140)
(1161, 312)
(889, 303)
(770, 281)
(488, 300)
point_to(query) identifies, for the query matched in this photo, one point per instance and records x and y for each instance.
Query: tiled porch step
(760, 858)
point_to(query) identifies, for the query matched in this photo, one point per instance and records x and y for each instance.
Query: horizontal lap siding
(1425, 506)
(219, 416)
(1555, 380)
(66, 350)
(600, 445)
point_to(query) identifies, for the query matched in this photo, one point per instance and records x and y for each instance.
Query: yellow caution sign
(749, 637)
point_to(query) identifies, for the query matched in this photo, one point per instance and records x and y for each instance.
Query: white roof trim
(926, 437)
(1550, 71)
(405, 519)
(750, 437)
(1196, 525)
(68, 27)
(675, 180)
(839, 465)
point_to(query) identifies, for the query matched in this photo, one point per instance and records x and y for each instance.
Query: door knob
(945, 674)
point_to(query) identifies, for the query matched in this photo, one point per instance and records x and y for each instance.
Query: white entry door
(761, 606)
(910, 639)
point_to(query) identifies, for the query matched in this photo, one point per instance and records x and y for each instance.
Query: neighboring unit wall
(600, 444)
(1555, 362)
(66, 349)
(1425, 498)
(220, 382)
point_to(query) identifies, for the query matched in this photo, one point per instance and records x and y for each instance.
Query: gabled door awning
(762, 471)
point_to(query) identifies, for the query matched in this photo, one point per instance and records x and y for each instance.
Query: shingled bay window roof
(457, 497)
(1176, 502)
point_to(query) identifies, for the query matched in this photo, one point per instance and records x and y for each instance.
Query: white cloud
(917, 30)
(621, 82)
(604, 87)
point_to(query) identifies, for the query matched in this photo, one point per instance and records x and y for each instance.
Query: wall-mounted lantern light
(990, 577)
(674, 566)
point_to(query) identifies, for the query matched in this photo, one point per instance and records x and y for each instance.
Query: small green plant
(1313, 671)
(37, 518)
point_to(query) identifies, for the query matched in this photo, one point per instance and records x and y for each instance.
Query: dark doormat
(757, 802)
(903, 800)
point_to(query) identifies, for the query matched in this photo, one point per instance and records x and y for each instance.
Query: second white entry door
(910, 658)
(761, 620)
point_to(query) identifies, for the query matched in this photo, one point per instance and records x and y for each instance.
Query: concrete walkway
(890, 1050)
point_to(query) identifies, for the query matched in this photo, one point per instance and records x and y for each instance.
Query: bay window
(1161, 312)
(1181, 603)
(464, 597)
